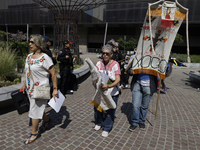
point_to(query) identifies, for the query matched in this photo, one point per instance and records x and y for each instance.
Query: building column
(83, 39)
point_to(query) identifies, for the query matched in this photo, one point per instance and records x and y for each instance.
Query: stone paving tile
(177, 125)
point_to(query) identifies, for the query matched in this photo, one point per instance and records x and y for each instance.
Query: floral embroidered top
(39, 70)
(111, 70)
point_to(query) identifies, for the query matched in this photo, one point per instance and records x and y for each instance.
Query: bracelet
(55, 88)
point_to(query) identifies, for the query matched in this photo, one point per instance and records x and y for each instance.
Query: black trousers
(64, 81)
(124, 77)
(72, 82)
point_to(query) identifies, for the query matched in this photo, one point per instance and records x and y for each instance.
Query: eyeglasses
(106, 53)
(32, 42)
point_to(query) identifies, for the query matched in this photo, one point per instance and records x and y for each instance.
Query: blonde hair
(39, 42)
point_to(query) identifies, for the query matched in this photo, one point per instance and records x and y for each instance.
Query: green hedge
(183, 57)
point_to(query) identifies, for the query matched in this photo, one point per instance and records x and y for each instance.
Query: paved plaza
(177, 125)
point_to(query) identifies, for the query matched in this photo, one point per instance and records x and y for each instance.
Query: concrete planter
(195, 76)
(6, 91)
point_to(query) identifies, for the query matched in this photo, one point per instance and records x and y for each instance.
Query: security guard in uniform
(66, 62)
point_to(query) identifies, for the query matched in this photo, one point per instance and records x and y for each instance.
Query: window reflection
(26, 11)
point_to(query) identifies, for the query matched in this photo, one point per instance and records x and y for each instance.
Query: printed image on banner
(151, 61)
(168, 14)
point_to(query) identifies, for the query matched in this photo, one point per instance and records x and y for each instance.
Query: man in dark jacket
(66, 64)
(117, 56)
(143, 87)
(48, 44)
(53, 57)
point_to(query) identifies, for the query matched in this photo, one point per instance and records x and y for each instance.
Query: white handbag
(40, 92)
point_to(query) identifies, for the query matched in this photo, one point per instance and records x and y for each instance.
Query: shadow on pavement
(56, 118)
(188, 82)
(191, 84)
(126, 109)
(7, 106)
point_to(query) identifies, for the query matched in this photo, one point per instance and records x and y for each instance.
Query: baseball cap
(67, 42)
(46, 38)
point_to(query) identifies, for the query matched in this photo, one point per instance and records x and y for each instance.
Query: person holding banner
(111, 69)
(143, 87)
(153, 49)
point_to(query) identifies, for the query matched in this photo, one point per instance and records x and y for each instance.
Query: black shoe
(142, 126)
(132, 128)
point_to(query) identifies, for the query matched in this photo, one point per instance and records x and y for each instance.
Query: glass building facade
(125, 17)
(21, 12)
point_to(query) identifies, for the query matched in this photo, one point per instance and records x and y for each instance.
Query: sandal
(29, 140)
(45, 125)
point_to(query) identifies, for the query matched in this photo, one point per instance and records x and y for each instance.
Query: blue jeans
(140, 99)
(106, 120)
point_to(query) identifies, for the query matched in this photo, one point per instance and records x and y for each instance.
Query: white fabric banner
(102, 100)
(154, 62)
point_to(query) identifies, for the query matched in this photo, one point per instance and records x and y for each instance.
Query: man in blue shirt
(143, 86)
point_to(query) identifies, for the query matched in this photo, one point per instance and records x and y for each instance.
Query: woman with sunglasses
(38, 65)
(112, 70)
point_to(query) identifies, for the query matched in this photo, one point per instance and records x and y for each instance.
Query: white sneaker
(97, 127)
(104, 133)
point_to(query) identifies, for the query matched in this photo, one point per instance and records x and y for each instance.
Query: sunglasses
(32, 42)
(105, 53)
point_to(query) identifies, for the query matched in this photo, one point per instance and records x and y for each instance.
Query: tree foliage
(19, 36)
(179, 39)
(2, 33)
(16, 43)
(129, 45)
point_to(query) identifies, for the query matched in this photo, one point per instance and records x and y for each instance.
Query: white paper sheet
(59, 101)
(104, 77)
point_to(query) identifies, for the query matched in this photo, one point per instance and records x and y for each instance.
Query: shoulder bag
(40, 92)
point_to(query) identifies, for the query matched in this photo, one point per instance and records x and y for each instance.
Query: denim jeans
(140, 99)
(106, 120)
